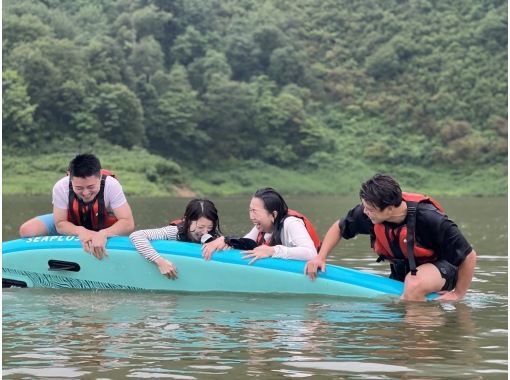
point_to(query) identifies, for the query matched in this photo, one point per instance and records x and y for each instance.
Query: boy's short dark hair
(381, 191)
(85, 165)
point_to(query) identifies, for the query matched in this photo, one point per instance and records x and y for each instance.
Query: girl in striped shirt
(200, 218)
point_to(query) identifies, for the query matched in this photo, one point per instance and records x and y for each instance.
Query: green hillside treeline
(227, 95)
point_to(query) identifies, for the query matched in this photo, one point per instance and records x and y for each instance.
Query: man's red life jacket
(308, 225)
(393, 243)
(92, 215)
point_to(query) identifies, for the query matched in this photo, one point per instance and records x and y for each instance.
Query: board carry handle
(8, 283)
(59, 265)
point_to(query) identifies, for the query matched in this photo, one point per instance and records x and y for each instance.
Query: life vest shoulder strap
(106, 173)
(101, 207)
(419, 198)
(309, 227)
(412, 200)
(260, 239)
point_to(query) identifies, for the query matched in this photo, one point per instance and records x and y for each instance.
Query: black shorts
(448, 271)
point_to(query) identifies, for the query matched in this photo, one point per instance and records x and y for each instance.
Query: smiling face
(200, 227)
(260, 217)
(375, 214)
(86, 188)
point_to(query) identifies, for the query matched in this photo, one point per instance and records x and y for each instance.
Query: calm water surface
(113, 335)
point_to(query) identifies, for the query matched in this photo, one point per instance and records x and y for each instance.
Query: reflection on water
(74, 334)
(114, 335)
(351, 366)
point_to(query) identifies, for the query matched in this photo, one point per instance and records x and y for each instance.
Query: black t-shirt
(434, 231)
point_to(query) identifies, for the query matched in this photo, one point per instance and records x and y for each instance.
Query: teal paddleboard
(60, 262)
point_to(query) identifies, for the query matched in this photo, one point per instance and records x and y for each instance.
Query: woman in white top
(276, 233)
(200, 218)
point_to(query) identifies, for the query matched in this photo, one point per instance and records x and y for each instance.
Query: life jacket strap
(101, 205)
(411, 227)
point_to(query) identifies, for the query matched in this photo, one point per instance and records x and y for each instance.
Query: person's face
(86, 188)
(375, 214)
(260, 217)
(200, 227)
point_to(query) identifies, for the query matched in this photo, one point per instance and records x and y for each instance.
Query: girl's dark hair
(196, 209)
(273, 201)
(84, 165)
(381, 191)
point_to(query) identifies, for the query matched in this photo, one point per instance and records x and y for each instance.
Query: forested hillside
(318, 88)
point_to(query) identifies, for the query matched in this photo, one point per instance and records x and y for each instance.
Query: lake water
(51, 333)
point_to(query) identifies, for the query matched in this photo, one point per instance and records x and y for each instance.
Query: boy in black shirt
(425, 249)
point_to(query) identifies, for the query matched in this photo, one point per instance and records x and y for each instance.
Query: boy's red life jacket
(395, 243)
(308, 225)
(92, 215)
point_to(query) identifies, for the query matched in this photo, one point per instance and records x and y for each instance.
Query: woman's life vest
(399, 243)
(92, 215)
(181, 234)
(308, 225)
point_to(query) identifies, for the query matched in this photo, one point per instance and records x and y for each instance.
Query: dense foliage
(296, 84)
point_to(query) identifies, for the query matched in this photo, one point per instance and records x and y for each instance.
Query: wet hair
(84, 165)
(381, 191)
(273, 201)
(196, 209)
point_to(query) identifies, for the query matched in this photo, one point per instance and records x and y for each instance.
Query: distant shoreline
(145, 174)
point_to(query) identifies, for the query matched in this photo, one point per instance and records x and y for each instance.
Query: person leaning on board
(425, 249)
(89, 203)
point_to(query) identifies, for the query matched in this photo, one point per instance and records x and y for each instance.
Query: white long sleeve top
(296, 241)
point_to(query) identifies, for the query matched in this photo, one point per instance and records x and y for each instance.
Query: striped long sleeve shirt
(141, 240)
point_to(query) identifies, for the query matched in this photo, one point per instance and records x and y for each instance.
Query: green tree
(174, 125)
(106, 62)
(384, 63)
(91, 19)
(40, 72)
(150, 21)
(243, 57)
(147, 57)
(22, 29)
(19, 129)
(124, 33)
(268, 38)
(56, 80)
(62, 25)
(228, 116)
(188, 46)
(161, 82)
(287, 65)
(202, 70)
(492, 30)
(121, 116)
(453, 130)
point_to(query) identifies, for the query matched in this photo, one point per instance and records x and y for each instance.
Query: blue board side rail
(190, 250)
